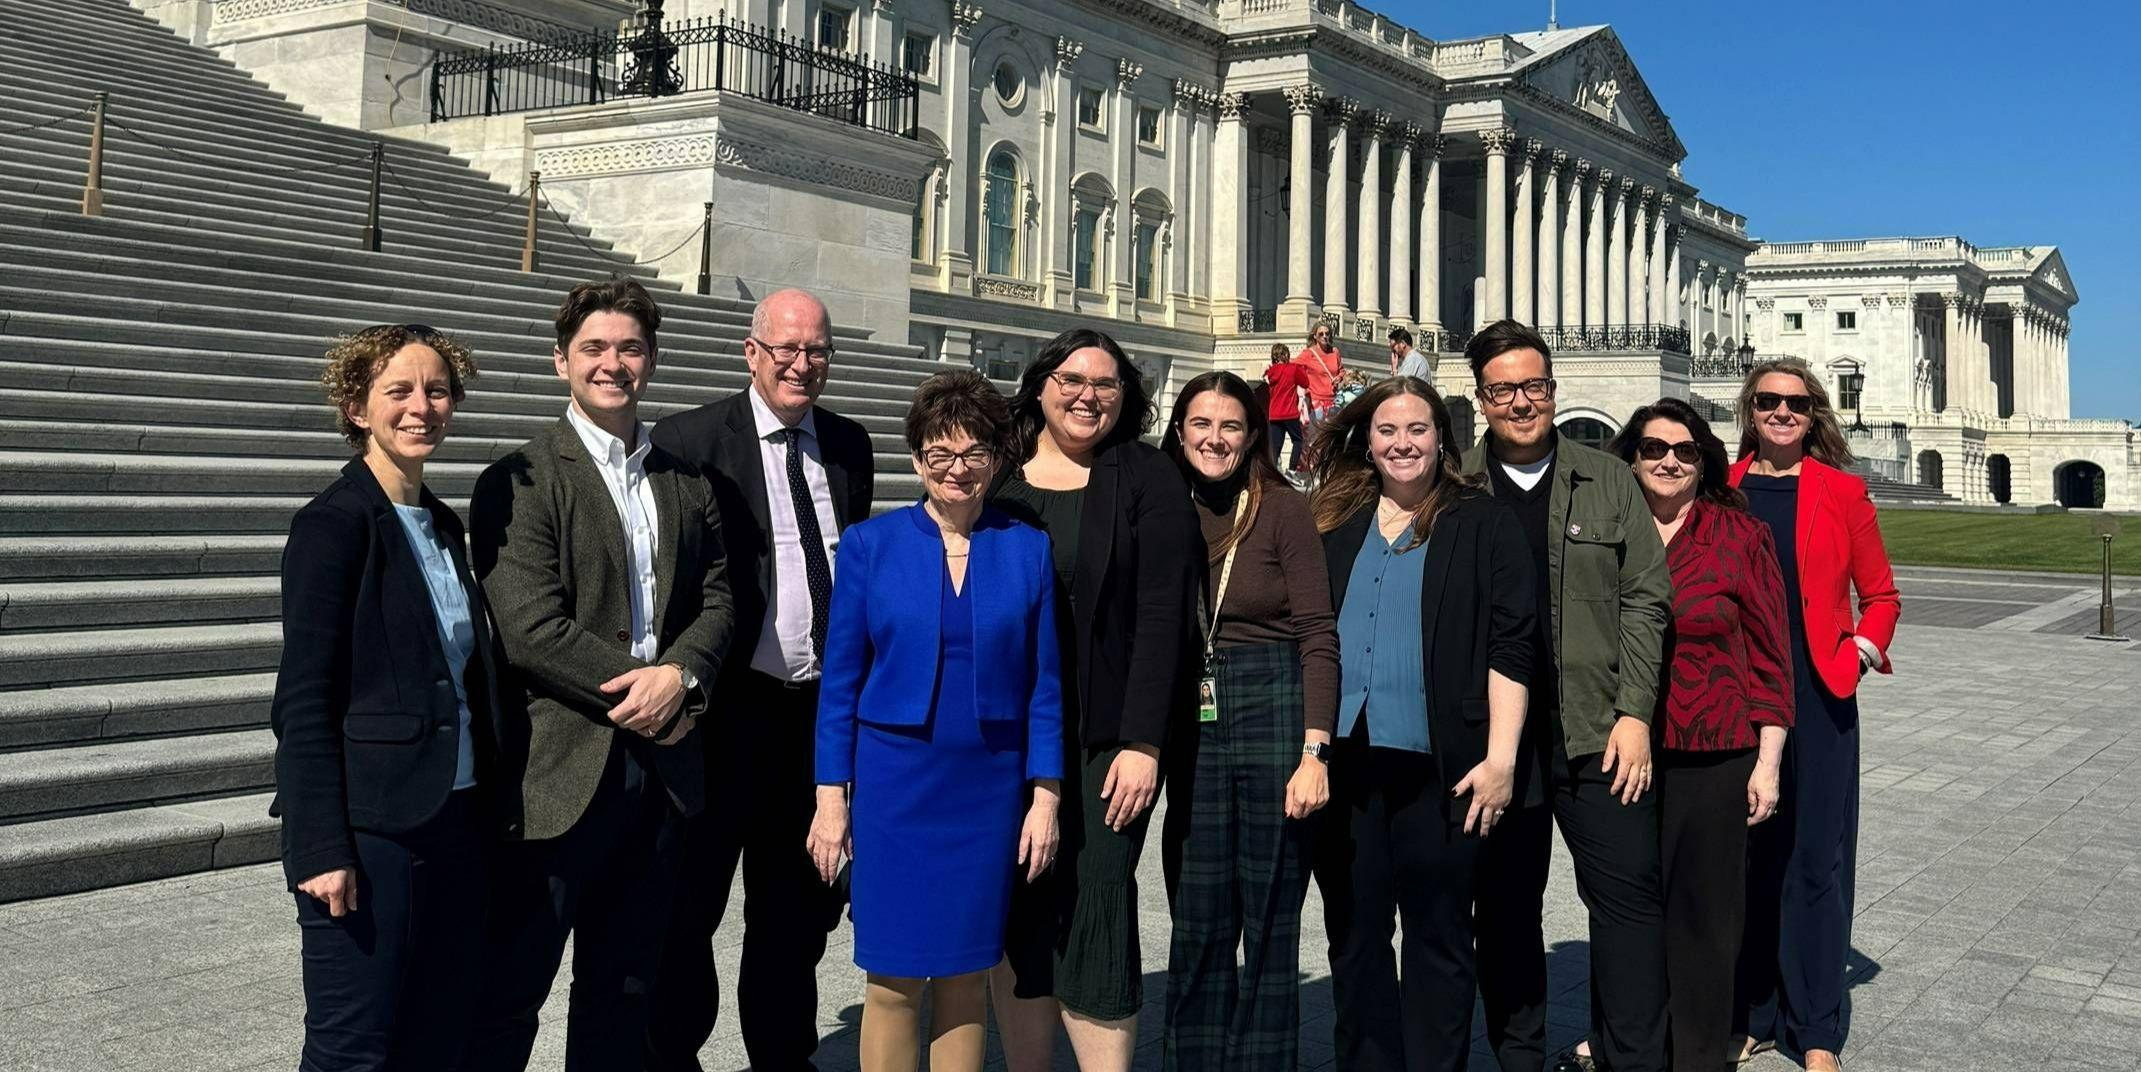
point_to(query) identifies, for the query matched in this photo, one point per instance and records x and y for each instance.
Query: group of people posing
(663, 653)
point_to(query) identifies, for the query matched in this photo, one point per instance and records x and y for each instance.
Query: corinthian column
(1431, 234)
(1368, 273)
(1594, 253)
(1520, 273)
(1672, 280)
(1550, 239)
(1617, 257)
(1639, 258)
(1061, 123)
(1230, 220)
(1660, 296)
(1572, 247)
(1301, 101)
(1401, 208)
(1498, 143)
(1340, 114)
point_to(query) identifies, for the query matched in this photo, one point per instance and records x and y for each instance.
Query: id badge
(1208, 700)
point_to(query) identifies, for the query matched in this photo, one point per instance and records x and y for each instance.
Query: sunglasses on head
(1653, 449)
(1767, 401)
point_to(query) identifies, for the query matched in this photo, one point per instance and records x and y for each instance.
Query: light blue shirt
(1381, 671)
(449, 607)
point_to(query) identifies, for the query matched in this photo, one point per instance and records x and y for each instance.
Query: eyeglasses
(938, 460)
(1653, 449)
(820, 356)
(1072, 384)
(1768, 401)
(1501, 394)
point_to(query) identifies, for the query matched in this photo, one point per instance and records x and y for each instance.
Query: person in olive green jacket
(1605, 598)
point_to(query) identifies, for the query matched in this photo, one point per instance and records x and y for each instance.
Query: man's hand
(830, 837)
(1039, 837)
(652, 695)
(1491, 785)
(336, 889)
(1309, 789)
(1628, 759)
(1132, 784)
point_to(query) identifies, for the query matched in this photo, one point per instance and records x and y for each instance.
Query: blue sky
(2007, 124)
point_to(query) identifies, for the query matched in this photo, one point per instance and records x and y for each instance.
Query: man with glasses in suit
(788, 476)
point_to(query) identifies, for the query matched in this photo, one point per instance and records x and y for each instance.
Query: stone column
(1301, 100)
(1339, 114)
(1950, 346)
(2057, 371)
(1401, 209)
(1594, 254)
(958, 256)
(1673, 316)
(1368, 272)
(1660, 293)
(881, 46)
(1431, 237)
(1550, 239)
(1521, 279)
(1617, 256)
(1123, 260)
(1230, 217)
(1572, 247)
(1496, 260)
(1061, 124)
(1639, 258)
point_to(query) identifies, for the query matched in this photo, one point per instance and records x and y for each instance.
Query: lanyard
(1226, 573)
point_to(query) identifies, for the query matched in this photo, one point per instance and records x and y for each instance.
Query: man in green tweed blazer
(601, 557)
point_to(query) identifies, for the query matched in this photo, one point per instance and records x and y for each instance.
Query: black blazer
(720, 439)
(1140, 560)
(1478, 601)
(367, 726)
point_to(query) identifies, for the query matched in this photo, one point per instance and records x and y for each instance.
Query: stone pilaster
(957, 260)
(1123, 285)
(1061, 124)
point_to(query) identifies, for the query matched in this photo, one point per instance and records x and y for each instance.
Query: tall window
(1847, 321)
(1145, 250)
(1850, 386)
(1000, 203)
(1148, 125)
(1085, 237)
(1090, 107)
(833, 27)
(1795, 321)
(918, 55)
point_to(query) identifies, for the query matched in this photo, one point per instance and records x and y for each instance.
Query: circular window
(1009, 85)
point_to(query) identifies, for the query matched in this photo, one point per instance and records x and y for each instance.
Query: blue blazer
(884, 643)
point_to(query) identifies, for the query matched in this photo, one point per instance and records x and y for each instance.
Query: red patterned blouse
(1729, 667)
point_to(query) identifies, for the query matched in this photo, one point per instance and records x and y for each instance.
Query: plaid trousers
(1237, 872)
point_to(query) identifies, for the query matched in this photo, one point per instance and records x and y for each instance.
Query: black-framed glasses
(1768, 401)
(1501, 394)
(1072, 384)
(1652, 449)
(819, 356)
(939, 460)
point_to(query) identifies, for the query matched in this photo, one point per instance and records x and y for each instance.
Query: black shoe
(1575, 1062)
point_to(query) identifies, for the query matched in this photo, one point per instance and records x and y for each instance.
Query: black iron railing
(1257, 321)
(1662, 337)
(653, 59)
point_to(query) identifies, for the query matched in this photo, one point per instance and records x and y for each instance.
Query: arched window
(1930, 469)
(1588, 431)
(1999, 478)
(1000, 203)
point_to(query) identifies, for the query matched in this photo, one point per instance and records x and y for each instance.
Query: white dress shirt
(625, 474)
(784, 651)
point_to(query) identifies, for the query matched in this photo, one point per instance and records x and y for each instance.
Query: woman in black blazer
(1433, 586)
(383, 722)
(1126, 549)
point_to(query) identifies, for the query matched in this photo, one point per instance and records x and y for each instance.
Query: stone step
(79, 473)
(43, 660)
(70, 605)
(117, 515)
(126, 709)
(47, 557)
(87, 852)
(104, 774)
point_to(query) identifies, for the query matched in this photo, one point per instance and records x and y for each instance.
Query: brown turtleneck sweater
(1280, 589)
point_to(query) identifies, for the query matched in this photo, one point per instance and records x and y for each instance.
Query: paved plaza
(1998, 884)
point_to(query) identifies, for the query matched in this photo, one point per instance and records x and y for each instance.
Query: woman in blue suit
(940, 724)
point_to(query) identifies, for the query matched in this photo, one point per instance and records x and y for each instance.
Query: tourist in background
(1246, 767)
(1724, 716)
(387, 755)
(788, 476)
(601, 555)
(1320, 365)
(1604, 602)
(1124, 545)
(1282, 378)
(1406, 361)
(1792, 462)
(1435, 605)
(940, 726)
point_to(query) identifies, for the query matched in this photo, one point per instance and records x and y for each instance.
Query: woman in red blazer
(1792, 469)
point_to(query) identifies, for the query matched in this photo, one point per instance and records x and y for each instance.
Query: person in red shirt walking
(1282, 407)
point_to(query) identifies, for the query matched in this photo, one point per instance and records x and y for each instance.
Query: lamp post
(653, 72)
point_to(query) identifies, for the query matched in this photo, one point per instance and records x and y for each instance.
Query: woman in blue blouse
(940, 724)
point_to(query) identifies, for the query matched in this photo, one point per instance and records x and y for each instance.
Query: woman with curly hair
(383, 718)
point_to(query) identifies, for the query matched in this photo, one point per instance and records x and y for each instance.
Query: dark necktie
(815, 567)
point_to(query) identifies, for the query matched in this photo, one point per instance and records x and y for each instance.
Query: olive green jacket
(1612, 594)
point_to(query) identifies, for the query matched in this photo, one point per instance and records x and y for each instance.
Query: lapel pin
(1575, 530)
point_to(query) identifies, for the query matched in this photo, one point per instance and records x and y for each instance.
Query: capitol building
(1205, 178)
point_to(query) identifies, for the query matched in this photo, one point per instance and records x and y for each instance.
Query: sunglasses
(1653, 449)
(1768, 401)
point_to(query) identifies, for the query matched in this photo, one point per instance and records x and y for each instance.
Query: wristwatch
(691, 680)
(1320, 750)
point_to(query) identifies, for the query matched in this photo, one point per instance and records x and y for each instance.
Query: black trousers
(762, 793)
(606, 884)
(1281, 431)
(390, 985)
(1618, 877)
(1386, 850)
(1702, 840)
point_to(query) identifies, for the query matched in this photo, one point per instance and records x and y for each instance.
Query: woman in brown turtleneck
(1249, 765)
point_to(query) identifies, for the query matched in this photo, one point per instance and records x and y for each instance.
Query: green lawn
(2065, 543)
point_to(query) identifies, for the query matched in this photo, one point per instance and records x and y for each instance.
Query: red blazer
(1839, 548)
